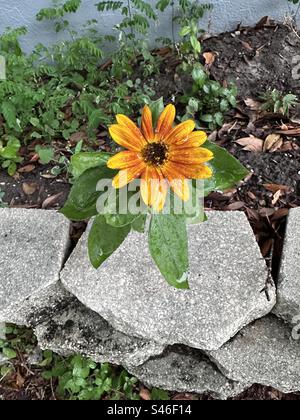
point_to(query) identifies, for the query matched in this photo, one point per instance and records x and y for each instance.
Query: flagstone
(183, 369)
(288, 288)
(265, 353)
(33, 248)
(227, 280)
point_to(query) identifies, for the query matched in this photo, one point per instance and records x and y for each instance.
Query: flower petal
(127, 175)
(125, 137)
(195, 171)
(195, 139)
(158, 201)
(193, 155)
(181, 132)
(127, 122)
(149, 184)
(147, 124)
(124, 160)
(177, 182)
(165, 121)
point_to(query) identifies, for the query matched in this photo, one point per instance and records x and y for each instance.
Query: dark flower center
(155, 153)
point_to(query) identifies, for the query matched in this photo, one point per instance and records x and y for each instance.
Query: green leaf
(116, 211)
(185, 31)
(157, 108)
(227, 169)
(104, 239)
(81, 203)
(11, 170)
(168, 244)
(208, 118)
(198, 74)
(160, 394)
(139, 223)
(96, 118)
(10, 151)
(9, 112)
(9, 353)
(80, 162)
(195, 44)
(46, 154)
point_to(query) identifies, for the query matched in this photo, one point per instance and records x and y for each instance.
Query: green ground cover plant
(70, 91)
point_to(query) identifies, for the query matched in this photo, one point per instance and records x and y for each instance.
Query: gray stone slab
(227, 275)
(33, 246)
(62, 324)
(183, 369)
(263, 353)
(288, 302)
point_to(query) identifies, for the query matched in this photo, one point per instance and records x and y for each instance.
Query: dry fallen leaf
(26, 169)
(276, 197)
(292, 132)
(209, 58)
(280, 213)
(251, 144)
(252, 104)
(273, 143)
(235, 206)
(51, 201)
(29, 188)
(276, 187)
(145, 394)
(266, 212)
(247, 45)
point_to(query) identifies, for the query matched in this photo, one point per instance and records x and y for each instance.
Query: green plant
(167, 233)
(79, 378)
(16, 340)
(276, 101)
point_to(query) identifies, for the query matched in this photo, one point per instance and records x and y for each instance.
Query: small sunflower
(164, 156)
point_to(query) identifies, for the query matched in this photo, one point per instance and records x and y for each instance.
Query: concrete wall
(225, 16)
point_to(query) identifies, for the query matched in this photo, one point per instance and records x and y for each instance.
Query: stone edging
(34, 244)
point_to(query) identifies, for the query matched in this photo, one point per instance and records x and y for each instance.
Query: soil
(255, 59)
(35, 189)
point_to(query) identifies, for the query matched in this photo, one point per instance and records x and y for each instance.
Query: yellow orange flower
(162, 156)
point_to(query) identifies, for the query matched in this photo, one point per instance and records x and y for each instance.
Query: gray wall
(225, 16)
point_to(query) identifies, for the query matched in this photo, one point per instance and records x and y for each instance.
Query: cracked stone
(33, 246)
(265, 353)
(183, 369)
(227, 276)
(288, 293)
(62, 324)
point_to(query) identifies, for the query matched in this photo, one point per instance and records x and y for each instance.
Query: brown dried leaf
(77, 137)
(145, 394)
(252, 104)
(251, 144)
(272, 143)
(29, 188)
(276, 187)
(51, 201)
(266, 247)
(235, 206)
(183, 397)
(247, 45)
(266, 212)
(26, 169)
(276, 197)
(209, 58)
(279, 214)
